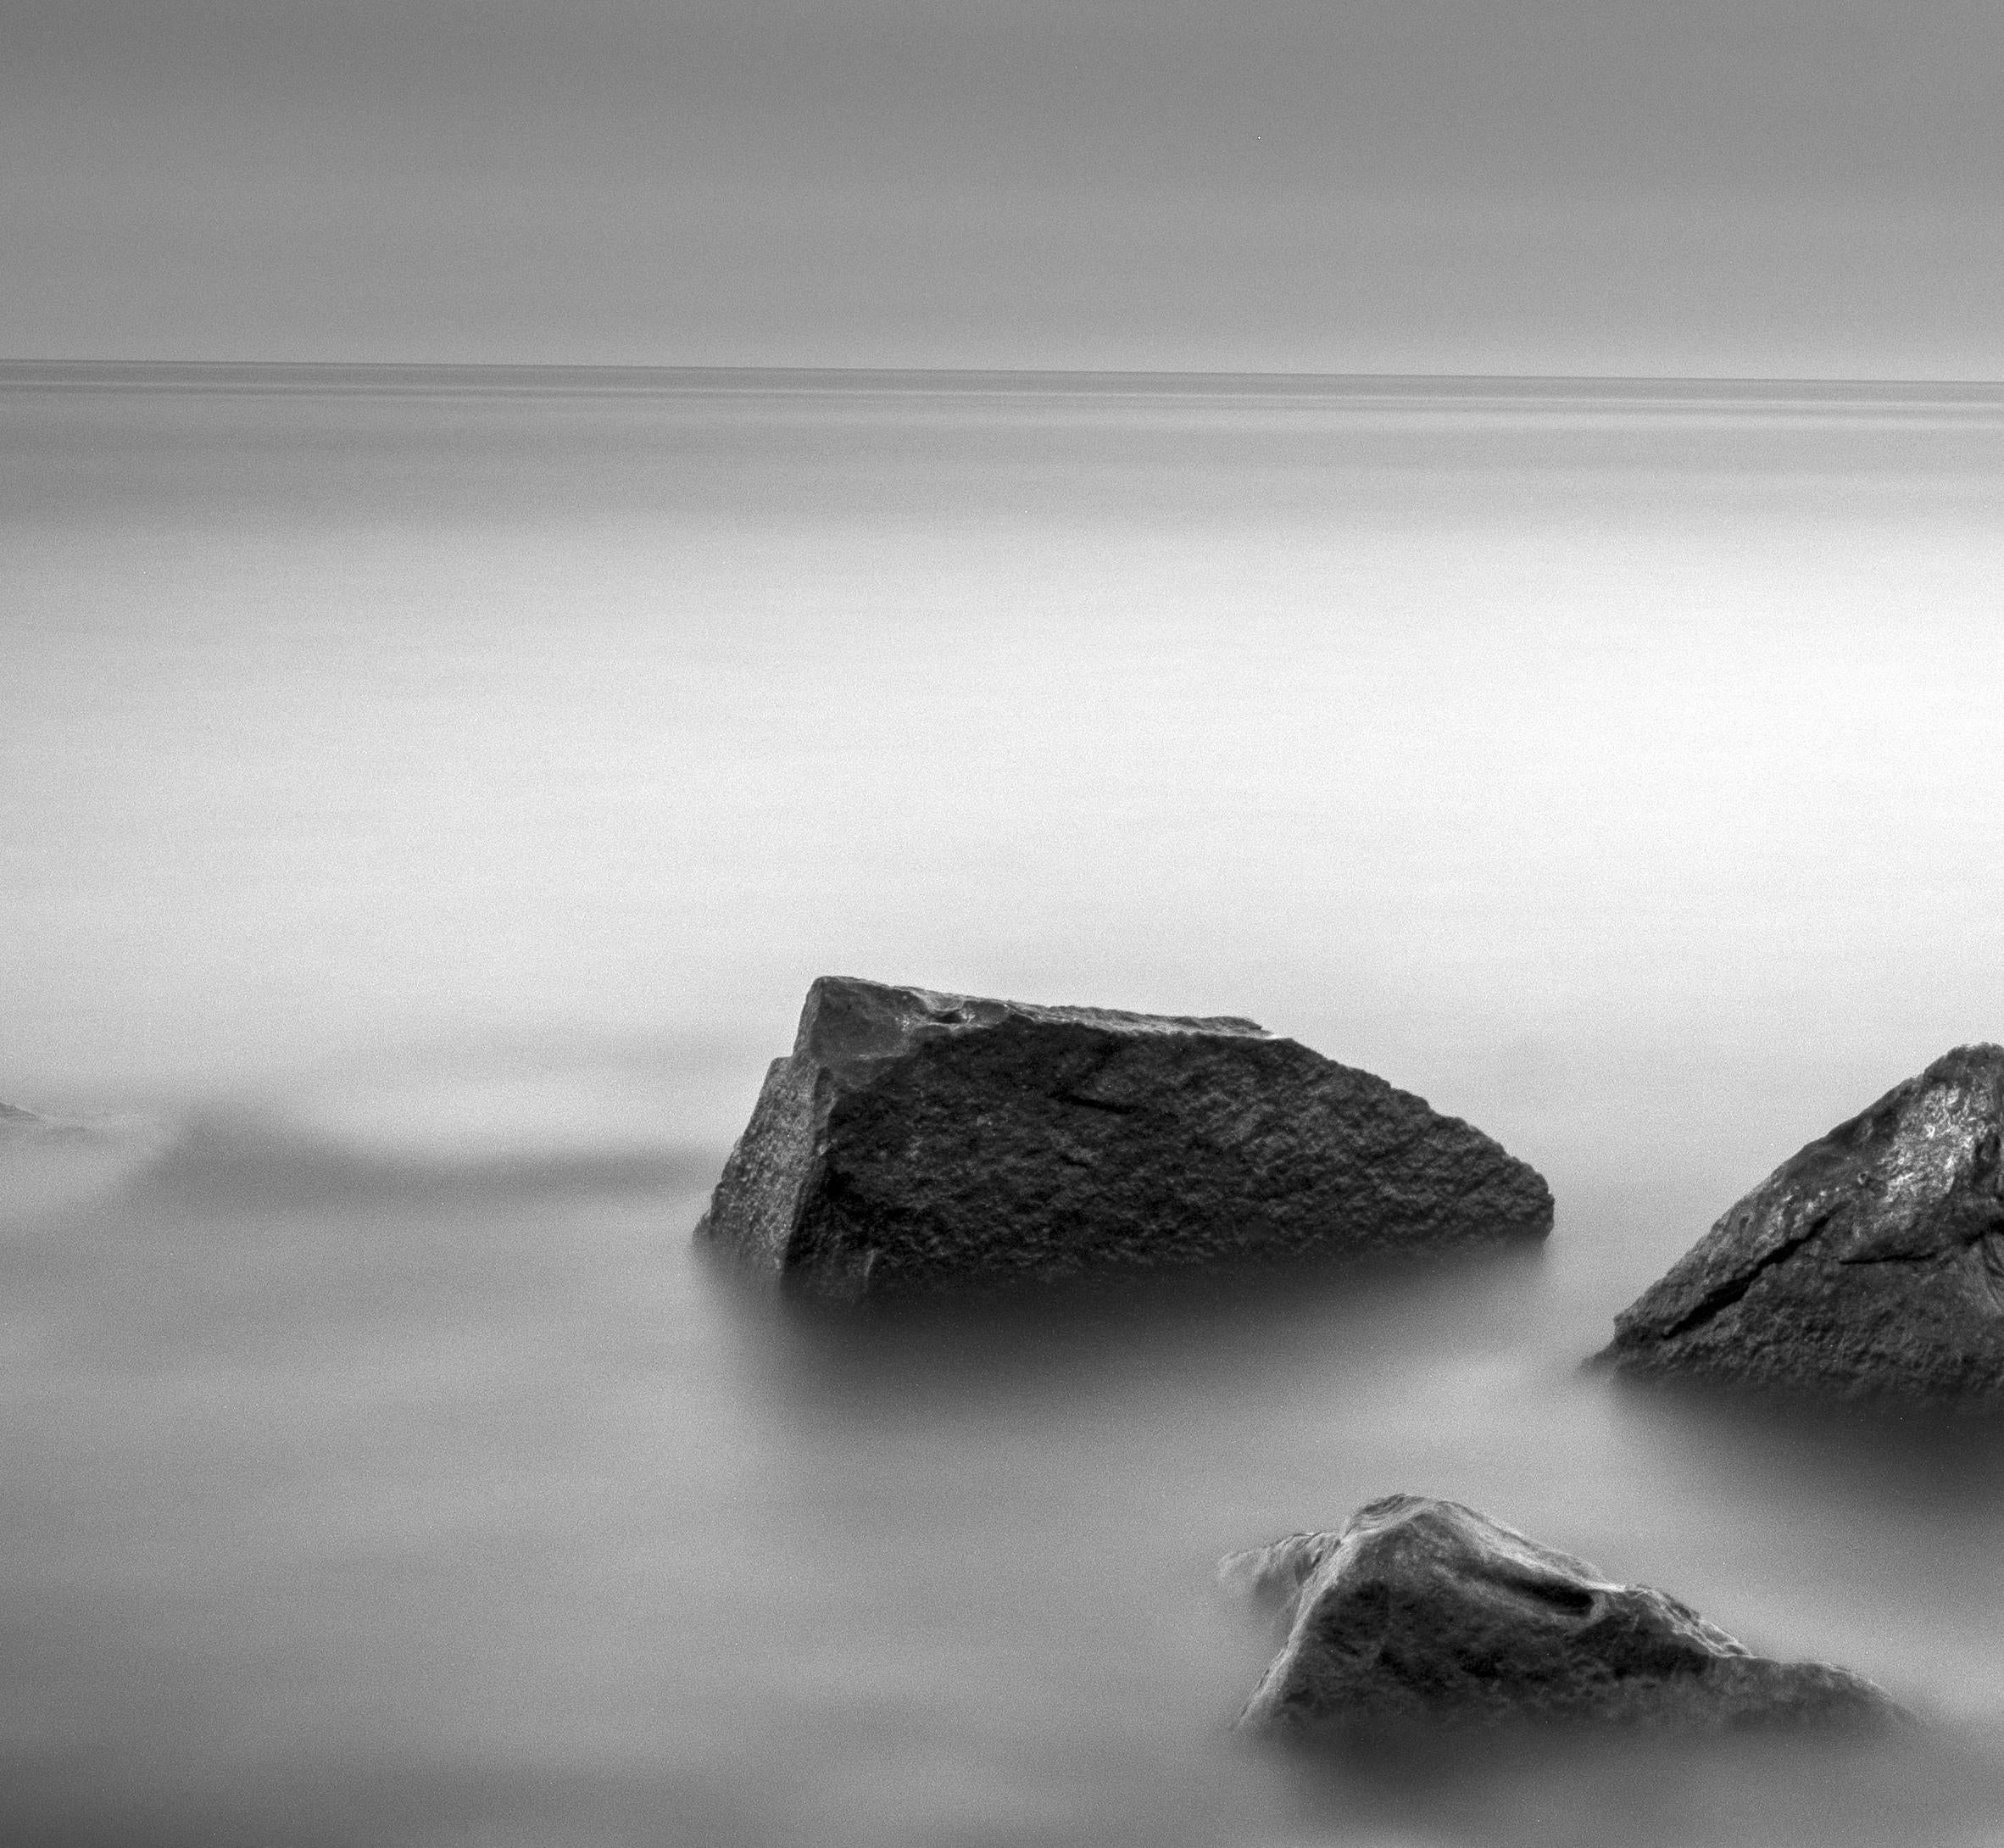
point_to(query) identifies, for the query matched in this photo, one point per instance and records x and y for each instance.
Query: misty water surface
(426, 801)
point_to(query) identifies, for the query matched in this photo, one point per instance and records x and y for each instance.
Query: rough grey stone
(1870, 1265)
(918, 1142)
(1420, 1614)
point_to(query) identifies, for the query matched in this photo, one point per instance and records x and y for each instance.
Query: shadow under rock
(1078, 1333)
(1586, 1789)
(1941, 1457)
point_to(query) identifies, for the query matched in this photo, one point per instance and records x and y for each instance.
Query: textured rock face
(1871, 1265)
(1424, 1613)
(918, 1142)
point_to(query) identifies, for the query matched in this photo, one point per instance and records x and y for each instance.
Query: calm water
(426, 799)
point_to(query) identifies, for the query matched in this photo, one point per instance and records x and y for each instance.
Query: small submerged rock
(916, 1142)
(20, 1128)
(1870, 1265)
(1420, 1613)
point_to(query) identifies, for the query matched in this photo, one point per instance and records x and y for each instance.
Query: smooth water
(427, 797)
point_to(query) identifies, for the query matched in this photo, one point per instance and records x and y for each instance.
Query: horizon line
(199, 374)
(411, 367)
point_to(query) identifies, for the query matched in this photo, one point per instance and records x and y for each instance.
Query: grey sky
(1765, 186)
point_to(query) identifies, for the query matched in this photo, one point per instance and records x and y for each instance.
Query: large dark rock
(1420, 1614)
(1870, 1265)
(923, 1142)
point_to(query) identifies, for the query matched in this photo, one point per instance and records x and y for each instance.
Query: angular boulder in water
(916, 1142)
(1870, 1265)
(1420, 1614)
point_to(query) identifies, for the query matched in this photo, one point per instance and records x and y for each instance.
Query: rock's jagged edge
(1867, 1268)
(916, 1142)
(1423, 1615)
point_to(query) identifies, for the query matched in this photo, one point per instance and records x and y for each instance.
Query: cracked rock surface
(1419, 1613)
(1868, 1266)
(916, 1142)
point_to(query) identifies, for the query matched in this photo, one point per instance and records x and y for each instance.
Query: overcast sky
(1805, 188)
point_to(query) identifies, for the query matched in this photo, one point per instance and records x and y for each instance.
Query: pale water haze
(427, 797)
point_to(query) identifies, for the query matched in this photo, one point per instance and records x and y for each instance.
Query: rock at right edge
(1869, 1267)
